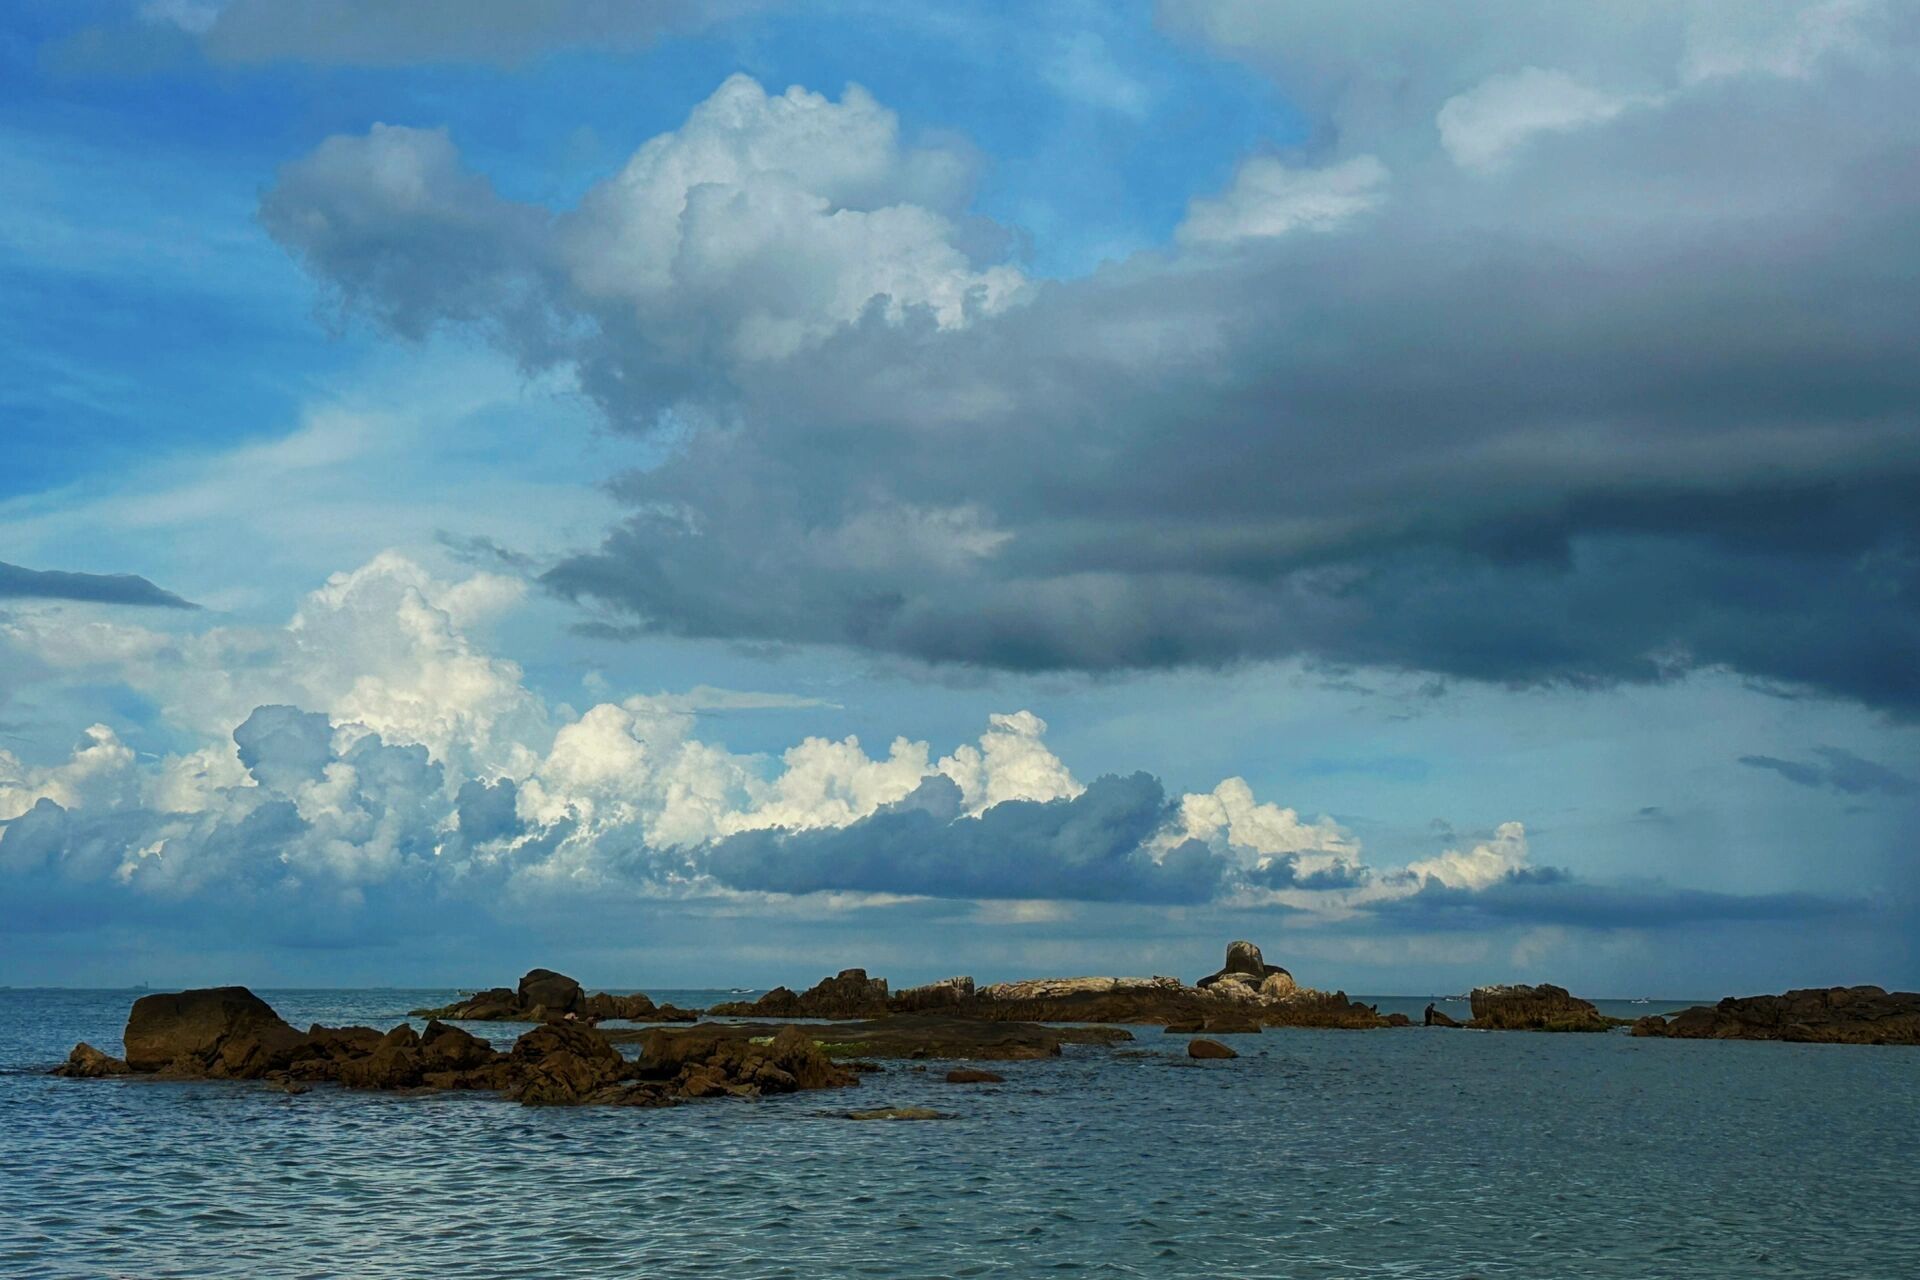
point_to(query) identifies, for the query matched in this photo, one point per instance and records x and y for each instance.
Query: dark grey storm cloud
(1637, 402)
(1084, 849)
(1839, 770)
(1561, 899)
(17, 583)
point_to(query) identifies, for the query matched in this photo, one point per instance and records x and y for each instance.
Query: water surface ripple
(1405, 1154)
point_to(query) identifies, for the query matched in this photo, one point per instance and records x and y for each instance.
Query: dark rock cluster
(546, 996)
(1542, 1008)
(848, 994)
(1817, 1015)
(228, 1033)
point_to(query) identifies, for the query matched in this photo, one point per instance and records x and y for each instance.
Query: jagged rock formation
(848, 994)
(1247, 976)
(1436, 1017)
(935, 996)
(1542, 1008)
(228, 1033)
(546, 996)
(1816, 1015)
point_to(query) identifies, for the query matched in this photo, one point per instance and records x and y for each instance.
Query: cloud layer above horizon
(1564, 366)
(416, 767)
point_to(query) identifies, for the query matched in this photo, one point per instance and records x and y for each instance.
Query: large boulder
(556, 993)
(1542, 1008)
(226, 1032)
(1209, 1049)
(1815, 1015)
(1245, 974)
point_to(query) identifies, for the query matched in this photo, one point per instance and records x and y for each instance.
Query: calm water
(1404, 1154)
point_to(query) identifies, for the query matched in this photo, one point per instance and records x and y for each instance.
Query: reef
(546, 996)
(229, 1033)
(1814, 1015)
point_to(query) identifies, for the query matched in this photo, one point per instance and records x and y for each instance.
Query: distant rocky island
(854, 1023)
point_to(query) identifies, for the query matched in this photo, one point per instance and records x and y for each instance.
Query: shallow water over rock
(1410, 1154)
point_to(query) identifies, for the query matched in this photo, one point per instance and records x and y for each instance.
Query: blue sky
(1406, 492)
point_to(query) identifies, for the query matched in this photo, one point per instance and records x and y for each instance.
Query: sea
(1401, 1154)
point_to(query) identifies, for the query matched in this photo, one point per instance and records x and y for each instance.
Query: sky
(711, 494)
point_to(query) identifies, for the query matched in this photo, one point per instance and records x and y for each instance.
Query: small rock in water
(1204, 1048)
(973, 1075)
(897, 1113)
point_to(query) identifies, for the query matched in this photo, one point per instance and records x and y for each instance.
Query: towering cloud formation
(1555, 362)
(413, 762)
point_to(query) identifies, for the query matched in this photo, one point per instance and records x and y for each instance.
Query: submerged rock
(1813, 1015)
(896, 1113)
(1203, 1048)
(1231, 1023)
(928, 1036)
(89, 1063)
(973, 1075)
(1542, 1008)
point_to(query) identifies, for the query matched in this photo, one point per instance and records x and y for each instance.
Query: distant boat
(1641, 1000)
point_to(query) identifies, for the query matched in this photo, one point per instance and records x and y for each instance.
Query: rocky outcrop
(546, 996)
(1816, 1015)
(1209, 1049)
(1247, 990)
(88, 1063)
(1247, 976)
(229, 1033)
(948, 993)
(220, 1032)
(848, 994)
(1435, 1017)
(1542, 1008)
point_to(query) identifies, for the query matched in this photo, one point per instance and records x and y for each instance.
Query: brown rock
(395, 1063)
(562, 1064)
(1815, 1015)
(1396, 1019)
(88, 1063)
(1203, 1048)
(445, 1048)
(558, 994)
(1228, 1023)
(1651, 1025)
(1437, 1018)
(1542, 1008)
(848, 994)
(973, 1075)
(226, 1032)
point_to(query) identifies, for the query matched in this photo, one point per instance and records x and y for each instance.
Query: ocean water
(1406, 1154)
